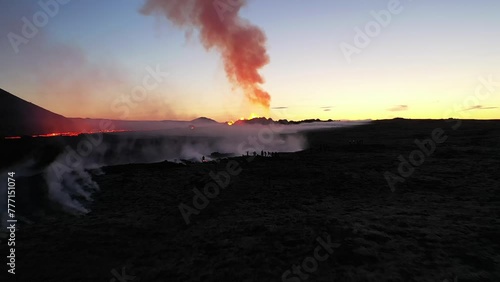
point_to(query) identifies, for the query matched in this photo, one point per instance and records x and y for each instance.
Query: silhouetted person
(203, 159)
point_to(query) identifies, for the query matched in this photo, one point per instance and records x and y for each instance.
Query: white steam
(69, 182)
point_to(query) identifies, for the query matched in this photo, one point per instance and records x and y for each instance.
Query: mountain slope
(20, 117)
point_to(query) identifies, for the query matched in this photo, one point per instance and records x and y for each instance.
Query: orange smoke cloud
(241, 44)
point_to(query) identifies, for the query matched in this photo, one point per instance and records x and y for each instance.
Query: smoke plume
(241, 44)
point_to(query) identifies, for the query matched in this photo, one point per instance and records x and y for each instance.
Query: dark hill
(20, 117)
(203, 120)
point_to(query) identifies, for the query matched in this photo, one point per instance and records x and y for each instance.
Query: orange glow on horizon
(252, 116)
(65, 134)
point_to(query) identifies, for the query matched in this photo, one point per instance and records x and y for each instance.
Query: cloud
(326, 110)
(279, 108)
(480, 107)
(398, 108)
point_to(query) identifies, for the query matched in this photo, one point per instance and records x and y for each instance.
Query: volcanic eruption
(242, 45)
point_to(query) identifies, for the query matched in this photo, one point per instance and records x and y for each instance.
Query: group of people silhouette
(255, 153)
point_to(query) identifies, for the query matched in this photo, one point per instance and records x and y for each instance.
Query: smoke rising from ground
(61, 174)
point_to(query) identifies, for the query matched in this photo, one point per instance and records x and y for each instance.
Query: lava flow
(65, 134)
(252, 116)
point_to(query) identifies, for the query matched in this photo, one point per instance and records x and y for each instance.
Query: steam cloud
(60, 175)
(241, 44)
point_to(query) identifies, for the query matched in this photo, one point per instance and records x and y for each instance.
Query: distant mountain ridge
(266, 121)
(19, 117)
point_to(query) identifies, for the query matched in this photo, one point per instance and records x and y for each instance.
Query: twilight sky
(431, 60)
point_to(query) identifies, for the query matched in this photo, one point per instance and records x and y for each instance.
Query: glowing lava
(65, 134)
(252, 116)
(55, 134)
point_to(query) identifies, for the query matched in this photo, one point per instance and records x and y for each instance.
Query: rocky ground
(328, 210)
